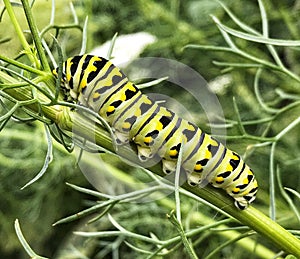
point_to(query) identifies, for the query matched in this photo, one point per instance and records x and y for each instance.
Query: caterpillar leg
(194, 179)
(144, 153)
(168, 166)
(120, 137)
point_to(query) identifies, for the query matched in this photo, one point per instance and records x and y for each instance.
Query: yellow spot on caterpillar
(159, 126)
(207, 154)
(148, 140)
(236, 190)
(198, 167)
(110, 108)
(168, 114)
(228, 167)
(173, 152)
(83, 84)
(96, 95)
(126, 125)
(137, 112)
(69, 63)
(245, 181)
(214, 143)
(219, 179)
(235, 157)
(191, 127)
(131, 87)
(122, 97)
(147, 101)
(91, 67)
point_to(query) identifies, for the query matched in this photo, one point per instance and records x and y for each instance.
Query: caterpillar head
(77, 74)
(69, 85)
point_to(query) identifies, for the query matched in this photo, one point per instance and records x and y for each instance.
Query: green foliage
(254, 45)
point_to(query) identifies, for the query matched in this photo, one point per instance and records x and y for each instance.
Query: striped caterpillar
(96, 83)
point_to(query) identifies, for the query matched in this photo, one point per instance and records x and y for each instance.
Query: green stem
(253, 218)
(22, 65)
(19, 31)
(24, 243)
(250, 217)
(239, 120)
(214, 253)
(59, 27)
(288, 128)
(272, 209)
(35, 36)
(184, 239)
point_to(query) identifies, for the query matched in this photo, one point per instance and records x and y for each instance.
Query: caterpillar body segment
(155, 130)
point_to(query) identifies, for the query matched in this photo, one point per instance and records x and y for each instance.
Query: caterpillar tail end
(241, 204)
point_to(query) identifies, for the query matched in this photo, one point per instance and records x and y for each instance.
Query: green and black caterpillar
(96, 83)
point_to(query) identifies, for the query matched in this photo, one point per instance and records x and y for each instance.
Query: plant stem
(255, 219)
(22, 65)
(35, 36)
(250, 217)
(19, 31)
(184, 239)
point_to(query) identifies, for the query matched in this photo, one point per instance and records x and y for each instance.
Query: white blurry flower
(126, 48)
(220, 83)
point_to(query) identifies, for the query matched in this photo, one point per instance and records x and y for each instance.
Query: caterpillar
(96, 83)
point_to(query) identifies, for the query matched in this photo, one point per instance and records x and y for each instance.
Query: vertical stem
(35, 35)
(24, 243)
(19, 31)
(272, 209)
(177, 184)
(184, 239)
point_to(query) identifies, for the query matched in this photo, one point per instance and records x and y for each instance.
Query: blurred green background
(174, 24)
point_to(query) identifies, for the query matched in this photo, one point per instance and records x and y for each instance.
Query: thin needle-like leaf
(184, 239)
(177, 183)
(239, 121)
(84, 37)
(111, 46)
(272, 208)
(286, 196)
(75, 17)
(258, 95)
(254, 38)
(24, 243)
(151, 83)
(47, 161)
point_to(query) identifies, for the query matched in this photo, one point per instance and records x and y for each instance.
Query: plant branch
(35, 36)
(19, 31)
(250, 217)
